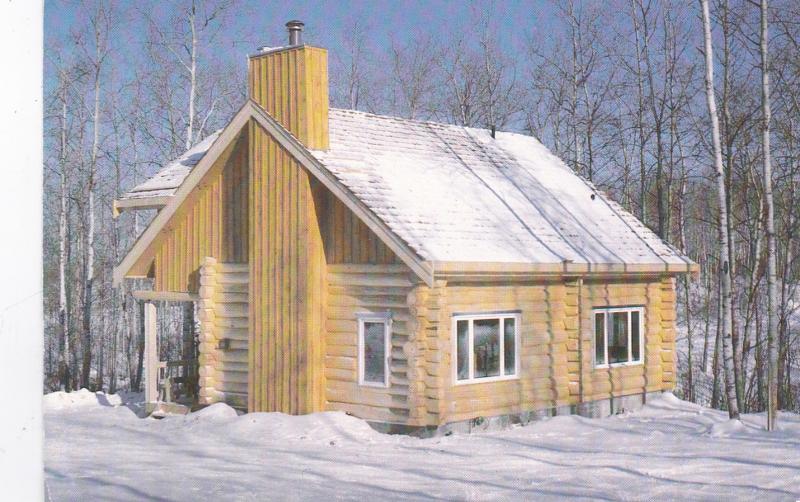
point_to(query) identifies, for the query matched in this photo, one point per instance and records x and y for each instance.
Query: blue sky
(258, 22)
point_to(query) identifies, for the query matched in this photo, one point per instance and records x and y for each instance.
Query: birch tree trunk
(63, 357)
(725, 271)
(729, 138)
(772, 288)
(192, 78)
(86, 362)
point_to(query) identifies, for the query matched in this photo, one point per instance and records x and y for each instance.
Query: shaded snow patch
(82, 398)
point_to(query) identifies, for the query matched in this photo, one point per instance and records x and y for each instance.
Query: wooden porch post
(151, 353)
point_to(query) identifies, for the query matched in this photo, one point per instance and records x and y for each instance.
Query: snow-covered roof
(455, 194)
(170, 177)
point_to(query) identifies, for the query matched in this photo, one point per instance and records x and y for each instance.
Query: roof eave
(477, 271)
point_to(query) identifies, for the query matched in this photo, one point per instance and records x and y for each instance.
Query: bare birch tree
(724, 269)
(772, 265)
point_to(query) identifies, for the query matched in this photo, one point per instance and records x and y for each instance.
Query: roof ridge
(424, 122)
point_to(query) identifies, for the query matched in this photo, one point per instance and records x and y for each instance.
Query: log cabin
(419, 275)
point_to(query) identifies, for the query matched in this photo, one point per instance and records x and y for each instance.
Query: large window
(374, 348)
(486, 347)
(617, 336)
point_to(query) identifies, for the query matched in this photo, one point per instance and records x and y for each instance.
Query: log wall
(544, 379)
(657, 371)
(556, 343)
(223, 312)
(358, 289)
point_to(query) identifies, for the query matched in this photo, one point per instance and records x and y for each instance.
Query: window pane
(462, 353)
(487, 347)
(618, 338)
(374, 352)
(635, 349)
(508, 346)
(599, 338)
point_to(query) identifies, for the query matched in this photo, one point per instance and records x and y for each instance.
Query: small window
(485, 347)
(374, 351)
(617, 336)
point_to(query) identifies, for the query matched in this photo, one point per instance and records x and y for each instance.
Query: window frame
(501, 316)
(386, 320)
(606, 311)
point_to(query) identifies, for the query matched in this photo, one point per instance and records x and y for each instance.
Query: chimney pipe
(295, 32)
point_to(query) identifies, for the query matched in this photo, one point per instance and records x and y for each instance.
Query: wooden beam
(120, 205)
(151, 352)
(165, 296)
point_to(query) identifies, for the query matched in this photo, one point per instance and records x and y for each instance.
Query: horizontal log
(231, 310)
(345, 375)
(227, 297)
(366, 412)
(374, 302)
(353, 268)
(234, 387)
(352, 290)
(232, 322)
(228, 376)
(339, 362)
(233, 278)
(232, 288)
(371, 280)
(345, 392)
(232, 267)
(236, 366)
(236, 356)
(232, 333)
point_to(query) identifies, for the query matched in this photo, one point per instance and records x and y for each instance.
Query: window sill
(487, 380)
(374, 385)
(618, 365)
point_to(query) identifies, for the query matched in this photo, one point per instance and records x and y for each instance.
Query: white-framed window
(618, 336)
(485, 347)
(374, 349)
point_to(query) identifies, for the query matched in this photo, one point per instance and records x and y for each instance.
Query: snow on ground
(98, 449)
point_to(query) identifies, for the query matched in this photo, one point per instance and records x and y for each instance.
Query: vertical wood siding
(345, 237)
(287, 285)
(292, 85)
(212, 221)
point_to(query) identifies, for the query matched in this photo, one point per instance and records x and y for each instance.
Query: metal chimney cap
(295, 32)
